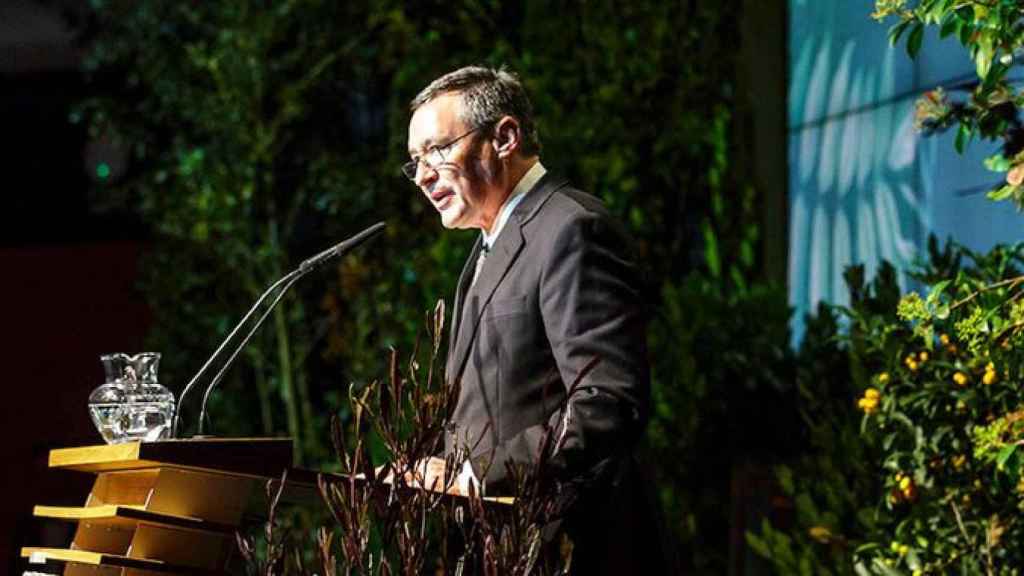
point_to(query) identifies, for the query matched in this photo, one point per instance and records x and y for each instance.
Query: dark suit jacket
(558, 288)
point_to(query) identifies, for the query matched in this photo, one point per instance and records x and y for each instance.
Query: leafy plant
(992, 32)
(947, 399)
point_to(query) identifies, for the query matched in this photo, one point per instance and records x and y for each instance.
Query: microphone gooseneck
(346, 246)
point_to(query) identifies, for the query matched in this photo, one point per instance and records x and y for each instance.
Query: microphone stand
(288, 281)
(242, 345)
(227, 340)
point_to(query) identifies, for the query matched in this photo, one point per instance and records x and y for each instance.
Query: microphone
(288, 281)
(342, 248)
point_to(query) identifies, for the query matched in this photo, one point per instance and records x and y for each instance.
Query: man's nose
(425, 174)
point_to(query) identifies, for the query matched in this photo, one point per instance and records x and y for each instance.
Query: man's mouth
(441, 198)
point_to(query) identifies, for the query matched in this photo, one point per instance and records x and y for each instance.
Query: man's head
(471, 138)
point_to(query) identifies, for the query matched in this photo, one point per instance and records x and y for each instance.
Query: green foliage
(930, 479)
(946, 423)
(924, 476)
(992, 32)
(832, 482)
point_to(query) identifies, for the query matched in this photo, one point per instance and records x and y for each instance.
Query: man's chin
(452, 220)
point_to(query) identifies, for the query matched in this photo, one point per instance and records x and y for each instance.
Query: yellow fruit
(960, 378)
(989, 378)
(883, 378)
(868, 405)
(944, 338)
(905, 483)
(923, 356)
(872, 394)
(820, 534)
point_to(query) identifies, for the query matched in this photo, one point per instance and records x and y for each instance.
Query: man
(548, 290)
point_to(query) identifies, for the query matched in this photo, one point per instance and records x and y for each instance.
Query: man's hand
(428, 474)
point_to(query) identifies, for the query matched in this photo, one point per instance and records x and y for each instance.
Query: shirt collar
(525, 184)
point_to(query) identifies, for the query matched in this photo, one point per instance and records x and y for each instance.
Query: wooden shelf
(263, 457)
(43, 555)
(128, 516)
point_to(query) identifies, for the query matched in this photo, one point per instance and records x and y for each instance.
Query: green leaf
(888, 440)
(963, 136)
(965, 32)
(997, 163)
(936, 291)
(1005, 455)
(785, 477)
(866, 547)
(949, 25)
(759, 545)
(881, 568)
(711, 256)
(965, 13)
(896, 31)
(1002, 193)
(934, 15)
(984, 55)
(913, 561)
(915, 40)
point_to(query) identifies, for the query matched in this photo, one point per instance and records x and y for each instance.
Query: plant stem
(263, 391)
(1014, 281)
(287, 386)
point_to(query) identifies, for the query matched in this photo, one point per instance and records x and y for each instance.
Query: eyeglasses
(434, 157)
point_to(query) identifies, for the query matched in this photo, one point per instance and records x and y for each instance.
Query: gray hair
(487, 95)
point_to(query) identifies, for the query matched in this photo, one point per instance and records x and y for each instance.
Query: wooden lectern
(161, 507)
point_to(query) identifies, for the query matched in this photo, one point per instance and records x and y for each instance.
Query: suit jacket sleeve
(591, 308)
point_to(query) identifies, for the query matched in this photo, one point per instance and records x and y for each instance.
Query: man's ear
(506, 137)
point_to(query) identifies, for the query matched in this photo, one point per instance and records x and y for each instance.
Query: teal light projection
(864, 185)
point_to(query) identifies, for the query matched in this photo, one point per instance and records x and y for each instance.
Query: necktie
(479, 264)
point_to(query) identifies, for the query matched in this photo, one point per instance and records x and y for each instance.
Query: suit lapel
(503, 255)
(471, 302)
(460, 294)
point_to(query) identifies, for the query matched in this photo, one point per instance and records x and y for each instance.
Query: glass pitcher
(132, 405)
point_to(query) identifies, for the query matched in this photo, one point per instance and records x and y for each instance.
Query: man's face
(460, 187)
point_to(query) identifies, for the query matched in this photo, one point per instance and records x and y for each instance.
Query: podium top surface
(263, 457)
(104, 560)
